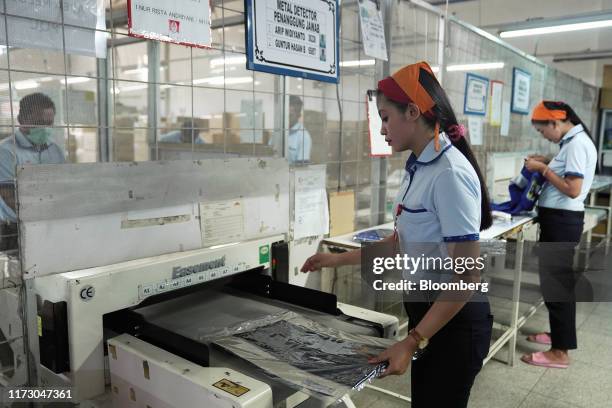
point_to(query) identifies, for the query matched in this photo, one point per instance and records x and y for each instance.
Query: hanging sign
(372, 29)
(497, 91)
(378, 146)
(504, 130)
(521, 87)
(475, 100)
(296, 38)
(38, 24)
(185, 22)
(475, 130)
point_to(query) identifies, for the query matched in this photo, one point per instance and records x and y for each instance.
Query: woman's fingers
(379, 358)
(312, 264)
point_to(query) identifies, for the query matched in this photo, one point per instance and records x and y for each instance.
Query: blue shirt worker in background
(33, 142)
(443, 202)
(568, 176)
(183, 135)
(299, 140)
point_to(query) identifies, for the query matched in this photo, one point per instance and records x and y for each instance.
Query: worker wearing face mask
(31, 144)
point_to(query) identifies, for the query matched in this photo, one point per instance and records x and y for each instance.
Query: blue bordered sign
(521, 89)
(476, 93)
(294, 37)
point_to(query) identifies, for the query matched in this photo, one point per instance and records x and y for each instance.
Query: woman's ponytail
(445, 115)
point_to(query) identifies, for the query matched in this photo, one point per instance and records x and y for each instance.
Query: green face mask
(40, 136)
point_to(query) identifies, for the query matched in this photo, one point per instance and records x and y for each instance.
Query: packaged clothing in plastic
(319, 361)
(524, 192)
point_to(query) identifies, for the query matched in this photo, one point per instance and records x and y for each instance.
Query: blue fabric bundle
(524, 191)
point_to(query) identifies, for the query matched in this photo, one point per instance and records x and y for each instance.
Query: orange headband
(406, 81)
(541, 112)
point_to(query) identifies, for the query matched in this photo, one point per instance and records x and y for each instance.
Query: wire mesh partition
(466, 49)
(119, 98)
(130, 99)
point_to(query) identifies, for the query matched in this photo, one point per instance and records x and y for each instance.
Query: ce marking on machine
(87, 293)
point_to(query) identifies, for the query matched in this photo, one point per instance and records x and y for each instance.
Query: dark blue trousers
(444, 374)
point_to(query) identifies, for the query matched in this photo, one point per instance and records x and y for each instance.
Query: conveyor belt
(205, 312)
(201, 314)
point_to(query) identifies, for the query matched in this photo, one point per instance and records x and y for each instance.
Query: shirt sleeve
(576, 160)
(6, 213)
(7, 165)
(307, 146)
(457, 202)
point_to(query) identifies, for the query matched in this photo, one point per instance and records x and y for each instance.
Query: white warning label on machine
(222, 222)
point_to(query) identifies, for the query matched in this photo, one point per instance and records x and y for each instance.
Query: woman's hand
(321, 260)
(398, 355)
(534, 165)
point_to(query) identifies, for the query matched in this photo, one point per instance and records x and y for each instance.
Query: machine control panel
(192, 278)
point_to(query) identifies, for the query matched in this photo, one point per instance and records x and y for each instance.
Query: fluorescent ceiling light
(133, 88)
(561, 28)
(220, 80)
(136, 71)
(475, 67)
(28, 84)
(77, 80)
(358, 63)
(219, 62)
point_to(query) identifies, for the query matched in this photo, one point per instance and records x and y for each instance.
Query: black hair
(571, 115)
(296, 101)
(31, 103)
(443, 114)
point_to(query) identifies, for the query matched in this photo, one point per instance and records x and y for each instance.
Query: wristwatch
(421, 341)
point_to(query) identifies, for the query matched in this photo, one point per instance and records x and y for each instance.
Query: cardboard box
(607, 77)
(606, 99)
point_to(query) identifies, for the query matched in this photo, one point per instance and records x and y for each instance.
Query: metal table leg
(516, 296)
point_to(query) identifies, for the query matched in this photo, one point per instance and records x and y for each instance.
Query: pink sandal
(540, 338)
(539, 359)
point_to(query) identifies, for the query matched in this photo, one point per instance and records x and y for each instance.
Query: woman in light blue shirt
(442, 206)
(569, 176)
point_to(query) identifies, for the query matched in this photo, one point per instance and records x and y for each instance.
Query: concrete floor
(587, 383)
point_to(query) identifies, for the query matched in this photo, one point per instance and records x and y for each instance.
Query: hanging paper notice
(185, 22)
(521, 87)
(372, 29)
(476, 88)
(475, 129)
(311, 215)
(505, 124)
(497, 90)
(38, 24)
(295, 38)
(378, 146)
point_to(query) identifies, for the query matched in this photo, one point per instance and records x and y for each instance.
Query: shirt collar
(429, 154)
(298, 126)
(570, 134)
(23, 141)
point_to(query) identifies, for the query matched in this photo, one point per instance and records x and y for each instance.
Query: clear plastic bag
(320, 361)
